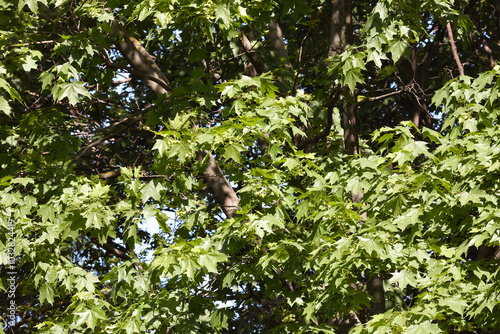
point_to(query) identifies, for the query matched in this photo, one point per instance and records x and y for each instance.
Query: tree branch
(35, 314)
(254, 58)
(277, 41)
(111, 249)
(381, 97)
(454, 49)
(89, 146)
(488, 51)
(142, 62)
(329, 122)
(114, 249)
(218, 185)
(110, 135)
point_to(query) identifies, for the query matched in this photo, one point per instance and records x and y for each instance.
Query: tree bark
(218, 185)
(278, 43)
(351, 128)
(454, 49)
(257, 65)
(341, 32)
(376, 289)
(341, 37)
(142, 62)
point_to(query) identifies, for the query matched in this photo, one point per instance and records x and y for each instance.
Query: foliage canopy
(313, 166)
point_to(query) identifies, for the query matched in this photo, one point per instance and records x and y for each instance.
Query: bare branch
(381, 97)
(488, 51)
(218, 185)
(111, 249)
(142, 62)
(259, 66)
(454, 49)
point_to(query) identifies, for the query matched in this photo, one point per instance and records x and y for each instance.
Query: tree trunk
(276, 37)
(341, 32)
(376, 289)
(351, 128)
(341, 37)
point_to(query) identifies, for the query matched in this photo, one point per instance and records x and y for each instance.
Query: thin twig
(34, 43)
(381, 97)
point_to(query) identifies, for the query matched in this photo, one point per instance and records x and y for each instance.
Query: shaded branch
(277, 41)
(488, 51)
(35, 314)
(301, 49)
(454, 49)
(218, 185)
(252, 55)
(110, 135)
(329, 122)
(111, 249)
(89, 146)
(142, 62)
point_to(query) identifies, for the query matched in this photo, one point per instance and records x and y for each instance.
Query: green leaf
(210, 261)
(30, 64)
(265, 225)
(132, 326)
(229, 91)
(425, 327)
(161, 146)
(141, 284)
(352, 78)
(370, 246)
(68, 70)
(151, 190)
(162, 220)
(14, 95)
(94, 219)
(456, 305)
(219, 319)
(233, 151)
(46, 79)
(32, 5)
(409, 218)
(397, 49)
(404, 278)
(144, 13)
(222, 12)
(46, 294)
(73, 91)
(205, 138)
(181, 150)
(91, 317)
(23, 181)
(475, 196)
(377, 57)
(46, 212)
(434, 136)
(381, 10)
(4, 106)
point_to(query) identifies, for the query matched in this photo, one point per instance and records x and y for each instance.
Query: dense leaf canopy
(189, 166)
